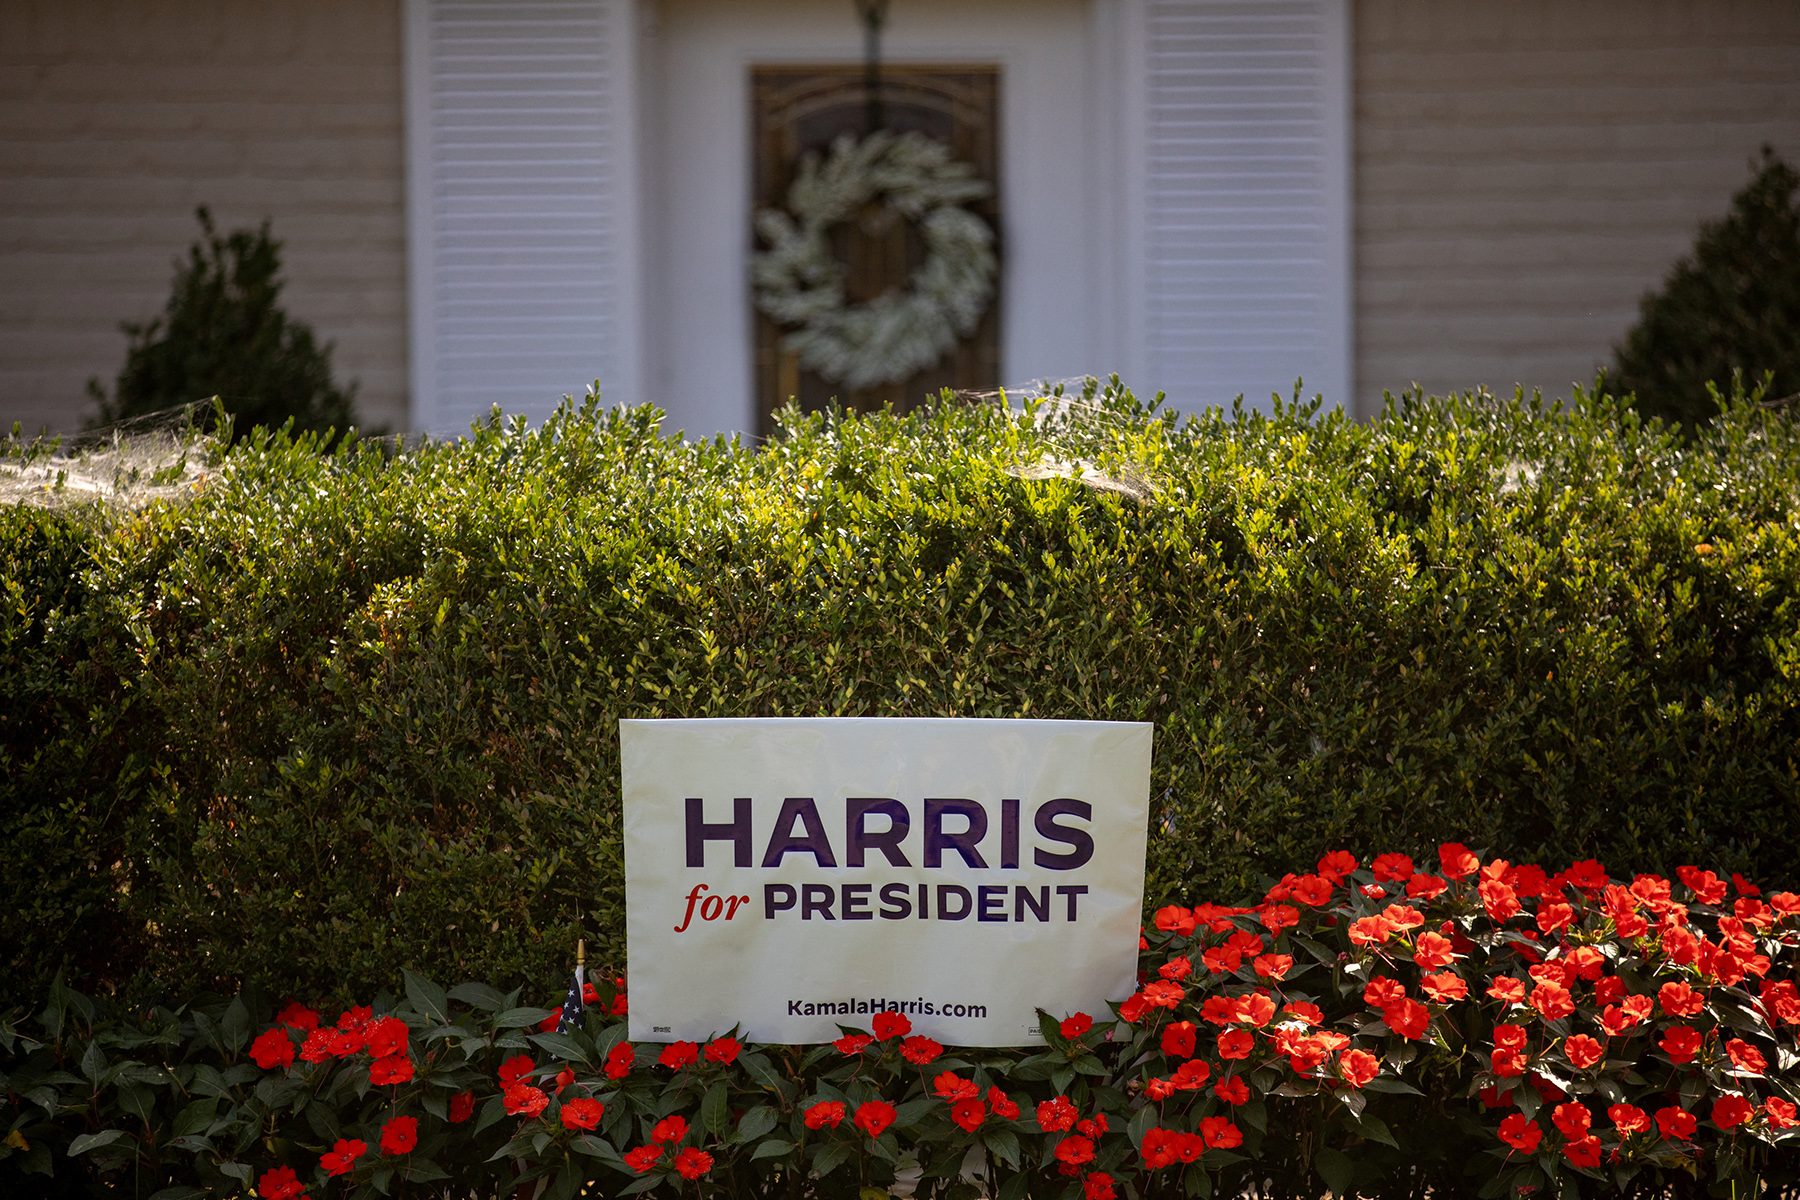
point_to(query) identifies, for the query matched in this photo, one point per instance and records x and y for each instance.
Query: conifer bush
(225, 334)
(1729, 309)
(336, 714)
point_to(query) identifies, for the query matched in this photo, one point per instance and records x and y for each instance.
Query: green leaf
(1335, 1169)
(1375, 1129)
(521, 1018)
(1004, 1144)
(479, 995)
(830, 1158)
(771, 1149)
(237, 1170)
(563, 1047)
(93, 1141)
(593, 1147)
(756, 1122)
(427, 997)
(714, 1109)
(235, 1027)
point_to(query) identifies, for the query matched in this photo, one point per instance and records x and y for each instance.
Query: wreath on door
(799, 282)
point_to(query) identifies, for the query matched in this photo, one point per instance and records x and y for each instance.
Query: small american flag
(573, 1005)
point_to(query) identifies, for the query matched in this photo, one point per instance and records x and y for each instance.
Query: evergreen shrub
(1731, 308)
(225, 334)
(338, 714)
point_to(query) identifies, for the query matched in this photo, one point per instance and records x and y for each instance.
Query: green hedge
(333, 715)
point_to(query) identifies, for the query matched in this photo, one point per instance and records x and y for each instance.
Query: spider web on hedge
(159, 456)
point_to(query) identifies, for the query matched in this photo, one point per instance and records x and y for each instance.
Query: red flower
(1583, 1051)
(1358, 1067)
(1391, 868)
(619, 1060)
(1552, 1001)
(1445, 987)
(347, 1042)
(396, 1068)
(722, 1050)
(515, 1069)
(1572, 1120)
(1382, 991)
(1587, 875)
(873, 1116)
(1003, 1107)
(280, 1184)
(952, 1087)
(1133, 1008)
(1403, 917)
(582, 1113)
(386, 1037)
(1158, 1147)
(1273, 966)
(620, 1006)
(523, 1100)
(919, 1049)
(1277, 917)
(1176, 969)
(1782, 1114)
(1681, 1043)
(1056, 1115)
(1511, 1037)
(1745, 1057)
(1522, 1135)
(1628, 1118)
(297, 1016)
(890, 1024)
(1507, 989)
(272, 1048)
(673, 1129)
(1162, 993)
(1176, 920)
(1744, 886)
(643, 1158)
(1680, 1000)
(1310, 1014)
(1676, 1124)
(1189, 1076)
(825, 1112)
(549, 1023)
(1370, 931)
(462, 1107)
(1408, 1018)
(1312, 890)
(1236, 1043)
(853, 1043)
(677, 1055)
(1554, 915)
(589, 993)
(1732, 1110)
(1609, 989)
(354, 1017)
(1425, 887)
(401, 1134)
(1178, 1039)
(341, 1158)
(692, 1162)
(968, 1113)
(1220, 1134)
(1159, 1089)
(320, 1044)
(1457, 860)
(1073, 1150)
(1080, 1023)
(1255, 1009)
(1509, 1063)
(1500, 901)
(1097, 1186)
(1583, 1152)
(1337, 864)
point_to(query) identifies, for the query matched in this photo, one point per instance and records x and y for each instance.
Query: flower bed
(1379, 1029)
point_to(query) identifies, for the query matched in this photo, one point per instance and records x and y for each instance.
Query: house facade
(499, 201)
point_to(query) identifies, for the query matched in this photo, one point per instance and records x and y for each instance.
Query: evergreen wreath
(800, 283)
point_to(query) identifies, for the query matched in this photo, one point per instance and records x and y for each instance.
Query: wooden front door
(796, 109)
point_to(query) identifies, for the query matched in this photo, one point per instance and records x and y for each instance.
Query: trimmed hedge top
(337, 714)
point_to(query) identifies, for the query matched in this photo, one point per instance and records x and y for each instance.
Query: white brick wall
(116, 119)
(1526, 170)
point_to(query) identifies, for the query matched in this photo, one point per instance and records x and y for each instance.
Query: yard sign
(792, 875)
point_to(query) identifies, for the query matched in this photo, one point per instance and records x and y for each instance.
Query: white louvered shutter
(1245, 210)
(522, 220)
